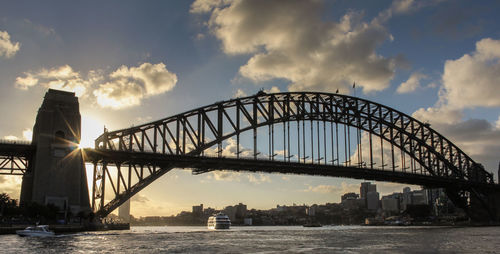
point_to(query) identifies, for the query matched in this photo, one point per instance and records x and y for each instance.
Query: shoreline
(71, 228)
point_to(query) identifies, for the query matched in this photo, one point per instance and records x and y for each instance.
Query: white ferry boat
(219, 221)
(39, 230)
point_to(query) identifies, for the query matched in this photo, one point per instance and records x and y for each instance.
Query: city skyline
(131, 63)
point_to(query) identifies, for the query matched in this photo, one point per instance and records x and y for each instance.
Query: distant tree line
(12, 213)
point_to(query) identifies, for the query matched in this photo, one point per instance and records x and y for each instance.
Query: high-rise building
(230, 211)
(198, 209)
(241, 210)
(367, 187)
(407, 198)
(372, 199)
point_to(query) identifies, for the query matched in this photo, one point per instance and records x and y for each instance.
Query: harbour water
(291, 239)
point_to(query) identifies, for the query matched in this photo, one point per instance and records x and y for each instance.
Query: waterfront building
(230, 211)
(241, 210)
(247, 222)
(311, 211)
(391, 203)
(418, 197)
(198, 209)
(353, 203)
(209, 211)
(153, 220)
(350, 195)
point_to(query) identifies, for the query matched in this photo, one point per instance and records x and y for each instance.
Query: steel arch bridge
(297, 132)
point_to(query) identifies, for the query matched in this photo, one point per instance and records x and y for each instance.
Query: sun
(91, 129)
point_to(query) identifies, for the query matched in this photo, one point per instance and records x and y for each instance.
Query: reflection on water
(334, 239)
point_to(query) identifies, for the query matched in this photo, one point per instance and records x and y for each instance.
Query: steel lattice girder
(195, 131)
(15, 158)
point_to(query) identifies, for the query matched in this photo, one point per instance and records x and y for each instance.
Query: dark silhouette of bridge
(294, 133)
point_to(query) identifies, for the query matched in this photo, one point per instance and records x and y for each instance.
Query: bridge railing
(15, 141)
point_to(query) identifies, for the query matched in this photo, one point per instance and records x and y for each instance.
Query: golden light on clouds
(91, 129)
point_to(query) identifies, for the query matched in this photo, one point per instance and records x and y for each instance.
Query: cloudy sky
(131, 62)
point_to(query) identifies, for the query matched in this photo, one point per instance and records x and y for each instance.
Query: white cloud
(334, 189)
(289, 40)
(128, 86)
(26, 82)
(205, 5)
(412, 84)
(7, 48)
(323, 189)
(472, 80)
(352, 187)
(11, 138)
(11, 185)
(224, 176)
(27, 134)
(230, 176)
(478, 138)
(438, 115)
(273, 89)
(239, 93)
(402, 6)
(259, 178)
(61, 78)
(119, 94)
(122, 88)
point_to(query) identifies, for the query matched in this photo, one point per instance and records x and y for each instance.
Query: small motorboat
(39, 230)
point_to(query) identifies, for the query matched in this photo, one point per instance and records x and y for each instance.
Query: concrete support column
(58, 172)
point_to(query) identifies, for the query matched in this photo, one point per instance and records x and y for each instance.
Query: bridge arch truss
(321, 129)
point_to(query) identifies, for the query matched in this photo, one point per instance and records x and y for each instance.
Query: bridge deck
(15, 156)
(16, 148)
(202, 164)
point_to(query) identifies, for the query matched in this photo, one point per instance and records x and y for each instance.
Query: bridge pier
(486, 207)
(57, 175)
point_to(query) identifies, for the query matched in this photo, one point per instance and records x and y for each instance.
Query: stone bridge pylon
(57, 174)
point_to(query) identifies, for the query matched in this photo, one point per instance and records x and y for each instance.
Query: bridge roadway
(203, 164)
(15, 156)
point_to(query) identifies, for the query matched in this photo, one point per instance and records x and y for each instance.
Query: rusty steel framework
(15, 157)
(315, 130)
